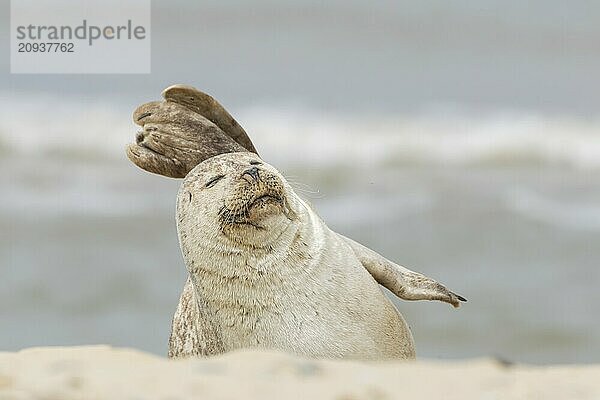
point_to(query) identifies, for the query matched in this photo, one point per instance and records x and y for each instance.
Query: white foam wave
(426, 138)
(298, 136)
(46, 124)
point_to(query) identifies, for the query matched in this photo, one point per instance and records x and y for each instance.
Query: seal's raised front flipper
(404, 283)
(182, 131)
(205, 105)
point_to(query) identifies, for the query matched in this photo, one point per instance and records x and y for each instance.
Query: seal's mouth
(265, 199)
(260, 204)
(249, 213)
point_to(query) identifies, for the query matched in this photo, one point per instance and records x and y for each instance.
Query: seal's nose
(253, 172)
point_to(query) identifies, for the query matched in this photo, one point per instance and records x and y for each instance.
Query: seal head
(242, 200)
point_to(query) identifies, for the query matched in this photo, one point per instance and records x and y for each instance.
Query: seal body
(266, 272)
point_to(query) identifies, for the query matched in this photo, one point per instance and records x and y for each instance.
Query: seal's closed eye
(212, 181)
(255, 162)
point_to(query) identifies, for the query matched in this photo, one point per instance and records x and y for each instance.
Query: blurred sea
(502, 208)
(461, 141)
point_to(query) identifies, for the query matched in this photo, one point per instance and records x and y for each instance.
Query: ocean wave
(290, 136)
(428, 138)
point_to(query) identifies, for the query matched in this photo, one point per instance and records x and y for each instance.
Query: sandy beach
(102, 372)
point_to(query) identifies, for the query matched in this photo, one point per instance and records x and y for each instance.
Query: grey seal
(264, 270)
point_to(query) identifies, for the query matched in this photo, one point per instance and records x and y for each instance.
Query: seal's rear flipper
(404, 283)
(182, 131)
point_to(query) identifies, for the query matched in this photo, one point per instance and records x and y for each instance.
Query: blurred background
(461, 140)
